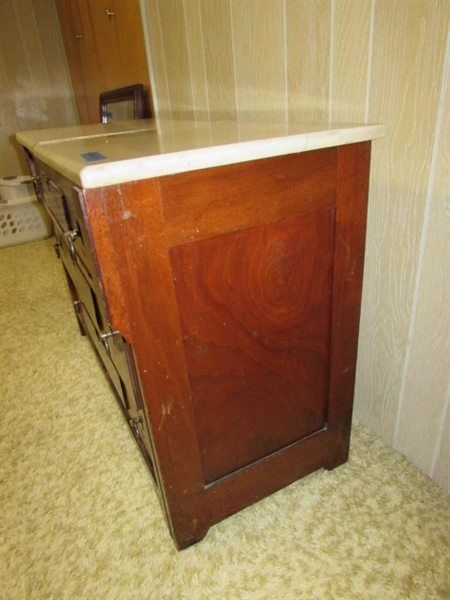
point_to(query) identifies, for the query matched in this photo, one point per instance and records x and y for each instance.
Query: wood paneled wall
(35, 92)
(350, 61)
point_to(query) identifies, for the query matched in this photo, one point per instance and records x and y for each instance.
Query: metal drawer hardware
(71, 237)
(36, 182)
(105, 337)
(134, 424)
(109, 13)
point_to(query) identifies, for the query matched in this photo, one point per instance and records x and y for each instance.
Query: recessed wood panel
(254, 308)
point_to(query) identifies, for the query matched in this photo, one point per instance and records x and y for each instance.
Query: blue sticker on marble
(93, 156)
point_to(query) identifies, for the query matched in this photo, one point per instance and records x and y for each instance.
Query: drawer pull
(71, 237)
(134, 424)
(36, 182)
(104, 338)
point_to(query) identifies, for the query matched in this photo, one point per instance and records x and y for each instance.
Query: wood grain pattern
(130, 36)
(105, 32)
(105, 251)
(196, 56)
(436, 256)
(350, 237)
(200, 204)
(258, 39)
(87, 78)
(174, 41)
(308, 38)
(429, 350)
(153, 34)
(101, 53)
(350, 61)
(255, 316)
(217, 36)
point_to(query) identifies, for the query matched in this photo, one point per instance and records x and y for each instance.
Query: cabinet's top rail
(107, 154)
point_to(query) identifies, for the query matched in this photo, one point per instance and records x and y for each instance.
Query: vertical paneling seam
(330, 82)
(41, 50)
(230, 4)
(423, 241)
(148, 51)
(164, 60)
(22, 43)
(440, 435)
(286, 80)
(188, 49)
(442, 107)
(369, 62)
(208, 109)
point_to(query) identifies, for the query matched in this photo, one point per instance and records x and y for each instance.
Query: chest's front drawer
(54, 200)
(118, 362)
(115, 353)
(87, 290)
(65, 204)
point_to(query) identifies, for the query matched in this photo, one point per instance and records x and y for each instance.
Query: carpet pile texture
(80, 519)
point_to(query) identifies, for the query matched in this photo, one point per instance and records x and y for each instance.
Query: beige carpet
(81, 520)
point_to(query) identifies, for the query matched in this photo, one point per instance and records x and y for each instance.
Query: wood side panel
(328, 447)
(135, 222)
(232, 494)
(96, 202)
(255, 315)
(350, 234)
(233, 197)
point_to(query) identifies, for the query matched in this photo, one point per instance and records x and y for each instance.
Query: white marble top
(99, 155)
